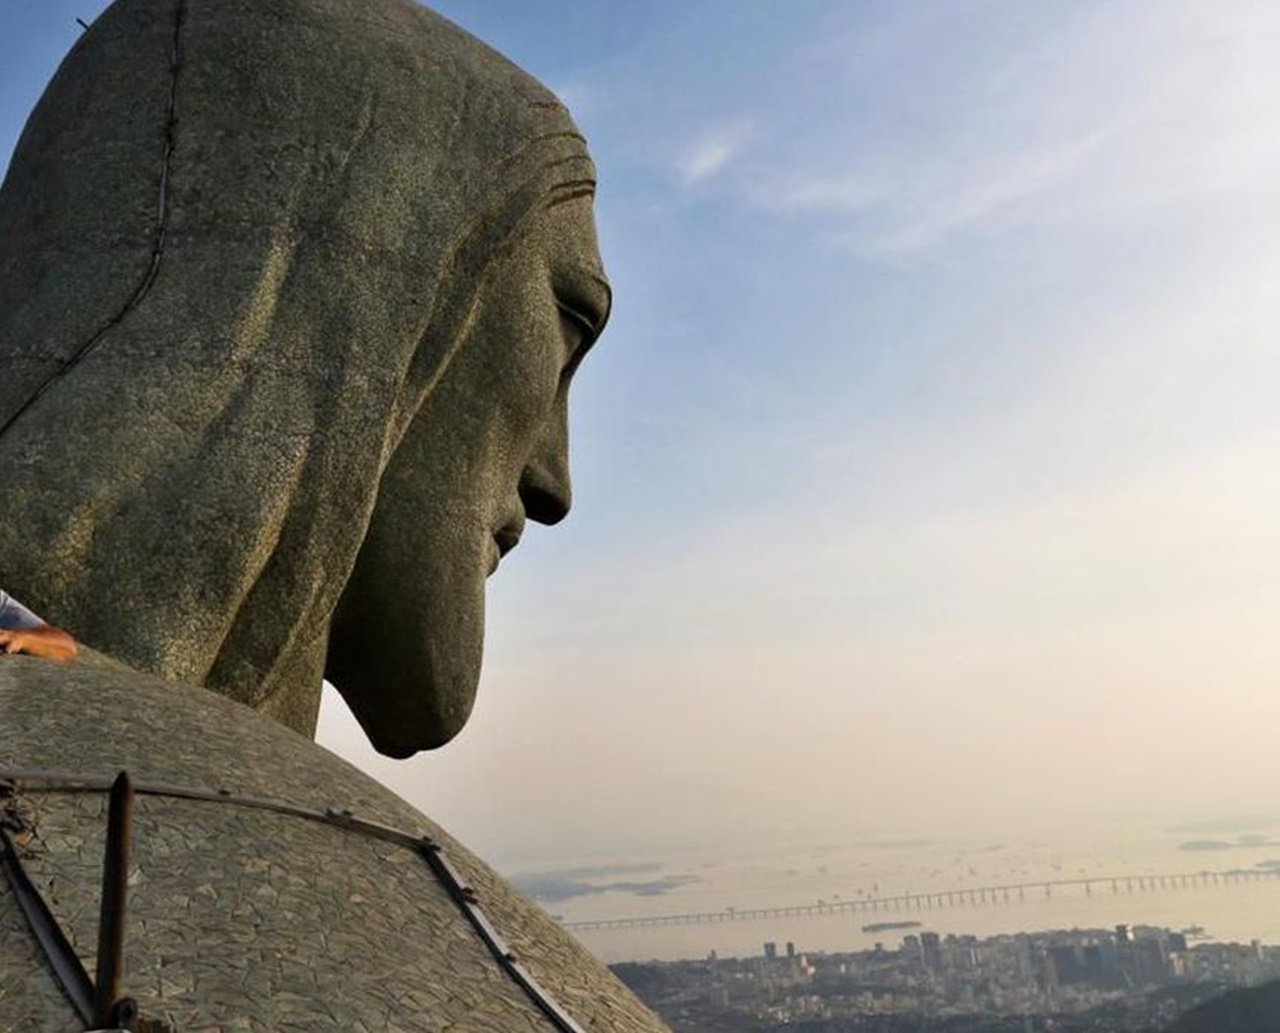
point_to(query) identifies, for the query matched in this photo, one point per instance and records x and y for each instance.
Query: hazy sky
(926, 477)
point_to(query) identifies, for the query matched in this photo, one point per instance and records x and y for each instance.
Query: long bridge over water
(974, 896)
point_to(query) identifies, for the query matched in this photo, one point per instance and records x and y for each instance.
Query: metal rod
(115, 879)
(67, 967)
(465, 898)
(69, 782)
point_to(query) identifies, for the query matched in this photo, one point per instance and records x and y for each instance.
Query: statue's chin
(403, 715)
(408, 664)
(428, 736)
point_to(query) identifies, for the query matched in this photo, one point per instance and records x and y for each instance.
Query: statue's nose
(544, 487)
(545, 491)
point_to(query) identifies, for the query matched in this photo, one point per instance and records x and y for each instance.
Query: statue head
(488, 450)
(291, 292)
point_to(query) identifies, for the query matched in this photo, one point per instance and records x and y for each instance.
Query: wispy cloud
(1076, 127)
(712, 152)
(980, 198)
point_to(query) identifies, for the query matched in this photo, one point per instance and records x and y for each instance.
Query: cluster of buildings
(1122, 978)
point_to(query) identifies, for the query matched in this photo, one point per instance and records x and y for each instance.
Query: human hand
(47, 642)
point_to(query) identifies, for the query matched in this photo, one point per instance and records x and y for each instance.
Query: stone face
(286, 291)
(246, 919)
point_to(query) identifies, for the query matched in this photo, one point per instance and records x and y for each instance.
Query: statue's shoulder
(270, 879)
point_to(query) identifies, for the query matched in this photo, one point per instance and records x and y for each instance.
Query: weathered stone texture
(245, 919)
(242, 243)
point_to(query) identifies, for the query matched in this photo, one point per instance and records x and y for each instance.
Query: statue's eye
(584, 300)
(579, 335)
(584, 327)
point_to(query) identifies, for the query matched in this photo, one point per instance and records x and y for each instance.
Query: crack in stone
(157, 246)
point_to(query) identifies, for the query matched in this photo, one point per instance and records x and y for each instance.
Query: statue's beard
(407, 638)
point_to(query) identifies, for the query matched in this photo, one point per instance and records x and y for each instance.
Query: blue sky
(928, 463)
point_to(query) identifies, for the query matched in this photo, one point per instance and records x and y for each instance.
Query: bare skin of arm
(46, 641)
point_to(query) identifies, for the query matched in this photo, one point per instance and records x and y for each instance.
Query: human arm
(44, 641)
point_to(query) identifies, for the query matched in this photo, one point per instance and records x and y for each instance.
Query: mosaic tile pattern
(246, 919)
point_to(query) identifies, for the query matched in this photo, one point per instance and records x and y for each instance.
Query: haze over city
(925, 477)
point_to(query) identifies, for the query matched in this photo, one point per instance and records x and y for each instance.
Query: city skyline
(1119, 979)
